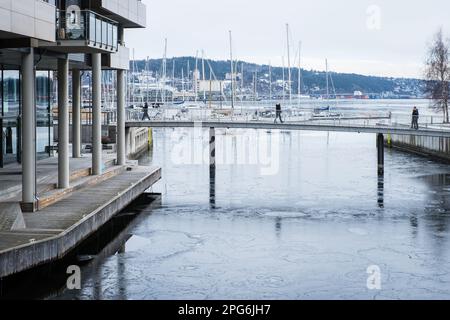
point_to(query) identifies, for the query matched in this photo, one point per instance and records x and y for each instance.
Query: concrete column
(28, 132)
(63, 124)
(76, 114)
(380, 148)
(121, 117)
(96, 114)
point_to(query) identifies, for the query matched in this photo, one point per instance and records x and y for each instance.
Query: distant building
(214, 86)
(237, 76)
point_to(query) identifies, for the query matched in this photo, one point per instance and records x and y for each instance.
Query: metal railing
(293, 116)
(109, 117)
(88, 26)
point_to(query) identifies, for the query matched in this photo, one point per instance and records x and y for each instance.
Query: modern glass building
(10, 115)
(44, 44)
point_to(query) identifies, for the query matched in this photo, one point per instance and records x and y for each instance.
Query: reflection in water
(110, 241)
(438, 211)
(381, 192)
(97, 276)
(121, 276)
(212, 186)
(278, 226)
(307, 232)
(442, 182)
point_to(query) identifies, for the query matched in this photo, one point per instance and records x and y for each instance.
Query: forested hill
(313, 82)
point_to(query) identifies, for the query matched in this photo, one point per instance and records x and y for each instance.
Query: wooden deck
(55, 230)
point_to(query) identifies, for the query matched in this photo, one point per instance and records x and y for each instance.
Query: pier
(65, 217)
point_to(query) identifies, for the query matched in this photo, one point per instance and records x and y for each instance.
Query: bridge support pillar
(380, 149)
(212, 148)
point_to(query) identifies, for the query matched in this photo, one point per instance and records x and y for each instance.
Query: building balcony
(84, 32)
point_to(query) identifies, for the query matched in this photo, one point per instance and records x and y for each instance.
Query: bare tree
(437, 74)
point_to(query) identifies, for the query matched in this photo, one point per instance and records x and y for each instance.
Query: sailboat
(325, 112)
(179, 102)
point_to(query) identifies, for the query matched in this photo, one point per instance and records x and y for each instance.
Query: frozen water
(310, 231)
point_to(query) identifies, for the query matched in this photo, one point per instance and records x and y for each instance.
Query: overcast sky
(378, 37)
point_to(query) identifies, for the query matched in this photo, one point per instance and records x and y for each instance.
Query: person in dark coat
(415, 119)
(145, 109)
(278, 113)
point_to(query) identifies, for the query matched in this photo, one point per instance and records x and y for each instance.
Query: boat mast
(328, 88)
(210, 88)
(289, 64)
(270, 81)
(255, 75)
(188, 74)
(173, 79)
(164, 71)
(203, 76)
(232, 70)
(146, 80)
(299, 72)
(242, 81)
(284, 84)
(182, 83)
(235, 77)
(131, 82)
(134, 83)
(194, 78)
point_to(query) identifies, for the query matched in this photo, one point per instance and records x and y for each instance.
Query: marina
(196, 153)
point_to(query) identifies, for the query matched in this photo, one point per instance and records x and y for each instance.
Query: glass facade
(75, 21)
(10, 115)
(44, 117)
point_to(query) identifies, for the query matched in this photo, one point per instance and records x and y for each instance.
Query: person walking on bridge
(145, 109)
(278, 113)
(415, 119)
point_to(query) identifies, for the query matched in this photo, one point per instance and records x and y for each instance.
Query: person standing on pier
(278, 113)
(415, 119)
(145, 116)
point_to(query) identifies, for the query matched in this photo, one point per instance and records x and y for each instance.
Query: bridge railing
(263, 114)
(245, 115)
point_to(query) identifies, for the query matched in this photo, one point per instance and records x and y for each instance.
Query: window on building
(43, 112)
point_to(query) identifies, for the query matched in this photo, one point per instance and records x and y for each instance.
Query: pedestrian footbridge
(332, 126)
(380, 129)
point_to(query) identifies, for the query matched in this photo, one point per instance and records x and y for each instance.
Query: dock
(66, 217)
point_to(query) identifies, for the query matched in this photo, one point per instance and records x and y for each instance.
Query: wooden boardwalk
(55, 230)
